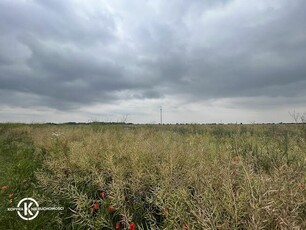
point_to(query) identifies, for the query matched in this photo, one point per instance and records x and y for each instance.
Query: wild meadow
(155, 176)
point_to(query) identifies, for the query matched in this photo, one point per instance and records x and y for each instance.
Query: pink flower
(4, 187)
(103, 195)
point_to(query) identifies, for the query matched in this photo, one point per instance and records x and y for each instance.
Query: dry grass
(173, 177)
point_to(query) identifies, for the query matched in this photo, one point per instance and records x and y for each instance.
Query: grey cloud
(61, 22)
(62, 54)
(252, 61)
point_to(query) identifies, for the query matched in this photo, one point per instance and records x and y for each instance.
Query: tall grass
(161, 177)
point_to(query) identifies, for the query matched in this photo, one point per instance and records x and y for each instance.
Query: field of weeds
(155, 177)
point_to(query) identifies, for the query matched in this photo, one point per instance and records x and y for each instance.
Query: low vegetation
(155, 177)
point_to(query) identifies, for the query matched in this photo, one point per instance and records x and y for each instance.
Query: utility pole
(161, 115)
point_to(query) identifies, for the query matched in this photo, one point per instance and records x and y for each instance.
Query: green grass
(159, 177)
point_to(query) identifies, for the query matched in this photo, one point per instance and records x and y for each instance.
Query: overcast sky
(202, 61)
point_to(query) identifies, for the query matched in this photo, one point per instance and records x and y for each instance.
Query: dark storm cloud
(65, 54)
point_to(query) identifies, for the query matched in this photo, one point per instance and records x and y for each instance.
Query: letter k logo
(28, 212)
(27, 209)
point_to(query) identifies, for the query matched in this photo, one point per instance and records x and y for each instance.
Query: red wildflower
(132, 226)
(235, 159)
(66, 171)
(117, 226)
(185, 227)
(103, 195)
(301, 185)
(235, 172)
(96, 205)
(11, 195)
(165, 212)
(4, 187)
(110, 209)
